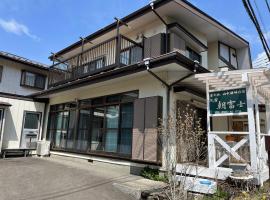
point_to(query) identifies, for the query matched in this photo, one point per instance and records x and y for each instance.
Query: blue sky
(34, 28)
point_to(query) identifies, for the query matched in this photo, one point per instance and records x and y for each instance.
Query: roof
(23, 60)
(136, 14)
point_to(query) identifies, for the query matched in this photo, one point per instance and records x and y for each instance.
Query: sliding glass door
(99, 126)
(97, 129)
(83, 130)
(112, 131)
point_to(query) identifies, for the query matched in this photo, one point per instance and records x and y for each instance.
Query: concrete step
(135, 188)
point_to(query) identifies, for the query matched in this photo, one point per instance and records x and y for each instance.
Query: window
(131, 55)
(193, 55)
(31, 120)
(83, 131)
(228, 55)
(1, 72)
(104, 125)
(34, 80)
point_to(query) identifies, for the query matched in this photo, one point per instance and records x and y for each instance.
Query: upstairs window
(193, 55)
(33, 80)
(227, 54)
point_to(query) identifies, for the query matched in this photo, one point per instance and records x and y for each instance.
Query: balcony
(117, 51)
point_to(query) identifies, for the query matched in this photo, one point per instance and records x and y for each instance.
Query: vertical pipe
(258, 134)
(118, 44)
(252, 131)
(211, 142)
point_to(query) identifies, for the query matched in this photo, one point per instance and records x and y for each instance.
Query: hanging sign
(228, 101)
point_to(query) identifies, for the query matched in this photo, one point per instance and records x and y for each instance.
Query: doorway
(30, 130)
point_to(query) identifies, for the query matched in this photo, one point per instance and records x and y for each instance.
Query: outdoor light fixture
(147, 62)
(152, 4)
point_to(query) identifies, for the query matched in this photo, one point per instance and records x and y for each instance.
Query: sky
(35, 28)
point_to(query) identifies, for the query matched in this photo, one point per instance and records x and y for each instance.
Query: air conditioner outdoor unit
(43, 148)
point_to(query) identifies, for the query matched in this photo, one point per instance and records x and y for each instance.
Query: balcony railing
(117, 51)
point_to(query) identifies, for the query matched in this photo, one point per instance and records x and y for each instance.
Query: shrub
(152, 174)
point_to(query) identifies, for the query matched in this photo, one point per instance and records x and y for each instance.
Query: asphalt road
(60, 178)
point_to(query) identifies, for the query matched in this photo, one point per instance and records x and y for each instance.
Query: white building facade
(21, 115)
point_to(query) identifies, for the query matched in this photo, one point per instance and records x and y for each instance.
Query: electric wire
(268, 5)
(253, 18)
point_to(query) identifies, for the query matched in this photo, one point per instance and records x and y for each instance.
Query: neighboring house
(107, 92)
(21, 117)
(261, 61)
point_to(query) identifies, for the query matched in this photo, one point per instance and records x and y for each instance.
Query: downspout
(164, 22)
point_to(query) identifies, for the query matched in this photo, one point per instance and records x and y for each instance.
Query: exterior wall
(243, 58)
(146, 85)
(14, 120)
(11, 78)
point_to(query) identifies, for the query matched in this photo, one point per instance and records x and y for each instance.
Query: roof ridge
(23, 59)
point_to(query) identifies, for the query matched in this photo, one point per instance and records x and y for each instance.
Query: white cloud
(12, 26)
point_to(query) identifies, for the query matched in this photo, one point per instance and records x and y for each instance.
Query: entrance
(30, 131)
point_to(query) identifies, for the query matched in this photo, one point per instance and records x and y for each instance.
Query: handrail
(229, 132)
(96, 59)
(96, 46)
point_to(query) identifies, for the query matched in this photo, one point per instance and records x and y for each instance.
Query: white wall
(11, 78)
(14, 120)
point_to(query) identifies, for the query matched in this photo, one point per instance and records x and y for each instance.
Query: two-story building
(21, 117)
(108, 91)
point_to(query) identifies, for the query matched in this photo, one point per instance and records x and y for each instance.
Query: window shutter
(146, 141)
(138, 130)
(154, 46)
(152, 141)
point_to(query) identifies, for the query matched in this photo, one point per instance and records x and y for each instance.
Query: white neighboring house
(20, 115)
(261, 61)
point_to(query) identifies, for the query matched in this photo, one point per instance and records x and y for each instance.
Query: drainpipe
(167, 85)
(164, 22)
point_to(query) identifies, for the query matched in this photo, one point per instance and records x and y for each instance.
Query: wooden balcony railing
(117, 51)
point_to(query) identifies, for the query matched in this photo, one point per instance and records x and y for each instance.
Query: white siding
(14, 120)
(11, 78)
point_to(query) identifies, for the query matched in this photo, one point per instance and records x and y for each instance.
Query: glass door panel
(64, 129)
(126, 128)
(83, 131)
(97, 129)
(71, 129)
(57, 138)
(112, 123)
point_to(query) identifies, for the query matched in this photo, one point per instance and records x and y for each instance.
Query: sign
(228, 101)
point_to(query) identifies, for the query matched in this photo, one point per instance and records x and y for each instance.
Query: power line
(268, 5)
(260, 16)
(253, 18)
